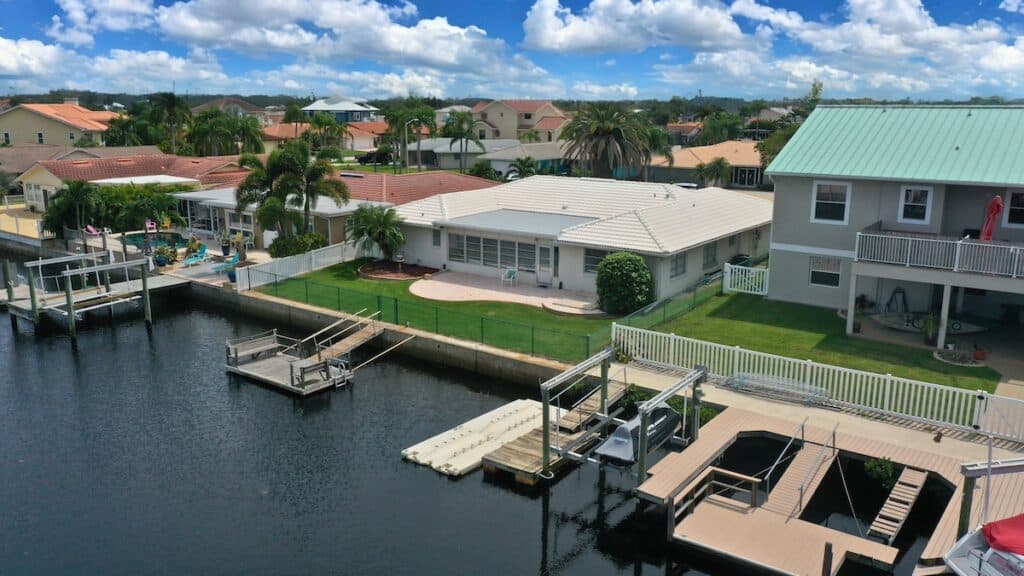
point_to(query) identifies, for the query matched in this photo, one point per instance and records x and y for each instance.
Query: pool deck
(774, 536)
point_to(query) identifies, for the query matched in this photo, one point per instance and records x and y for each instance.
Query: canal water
(139, 455)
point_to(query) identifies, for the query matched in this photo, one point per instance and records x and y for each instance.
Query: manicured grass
(505, 325)
(808, 332)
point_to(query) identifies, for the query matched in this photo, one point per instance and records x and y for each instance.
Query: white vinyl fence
(976, 411)
(251, 277)
(745, 279)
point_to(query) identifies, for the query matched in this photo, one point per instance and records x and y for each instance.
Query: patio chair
(229, 265)
(91, 231)
(509, 275)
(200, 256)
(250, 243)
(150, 226)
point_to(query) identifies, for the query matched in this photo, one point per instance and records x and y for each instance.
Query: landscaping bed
(382, 270)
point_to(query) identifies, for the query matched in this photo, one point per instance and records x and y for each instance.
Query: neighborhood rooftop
(735, 152)
(952, 144)
(403, 188)
(535, 150)
(71, 114)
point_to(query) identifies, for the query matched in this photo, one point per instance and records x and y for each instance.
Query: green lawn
(505, 325)
(808, 332)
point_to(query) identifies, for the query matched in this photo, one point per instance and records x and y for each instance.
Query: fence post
(735, 360)
(588, 346)
(275, 285)
(888, 391)
(396, 310)
(979, 409)
(338, 289)
(437, 323)
(726, 277)
(306, 284)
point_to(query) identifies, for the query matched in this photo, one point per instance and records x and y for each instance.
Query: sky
(572, 49)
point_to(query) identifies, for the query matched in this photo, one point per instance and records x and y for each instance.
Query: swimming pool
(157, 240)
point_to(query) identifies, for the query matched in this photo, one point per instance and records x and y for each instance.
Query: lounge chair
(200, 256)
(91, 231)
(229, 265)
(509, 275)
(150, 226)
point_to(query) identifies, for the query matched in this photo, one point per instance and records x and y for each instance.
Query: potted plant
(164, 255)
(225, 243)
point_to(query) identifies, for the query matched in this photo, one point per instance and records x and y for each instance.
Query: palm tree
(424, 118)
(657, 143)
(212, 132)
(82, 196)
(606, 137)
(460, 128)
(325, 130)
(248, 133)
(523, 167)
(373, 224)
(530, 135)
(122, 131)
(714, 173)
(293, 114)
(171, 111)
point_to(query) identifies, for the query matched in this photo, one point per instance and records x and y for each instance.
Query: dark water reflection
(139, 455)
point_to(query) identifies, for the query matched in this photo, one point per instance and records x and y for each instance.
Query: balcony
(940, 253)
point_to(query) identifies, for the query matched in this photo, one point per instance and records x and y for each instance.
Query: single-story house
(43, 179)
(441, 153)
(276, 135)
(555, 230)
(742, 155)
(15, 160)
(684, 133)
(549, 155)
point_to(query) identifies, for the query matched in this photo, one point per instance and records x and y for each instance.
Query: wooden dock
(55, 304)
(807, 468)
(897, 506)
(523, 459)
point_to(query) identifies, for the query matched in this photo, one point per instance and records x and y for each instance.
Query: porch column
(851, 304)
(960, 299)
(940, 342)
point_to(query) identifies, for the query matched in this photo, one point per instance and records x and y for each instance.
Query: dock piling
(145, 298)
(71, 314)
(32, 295)
(8, 280)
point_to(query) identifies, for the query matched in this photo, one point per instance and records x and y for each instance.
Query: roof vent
(79, 162)
(968, 113)
(121, 160)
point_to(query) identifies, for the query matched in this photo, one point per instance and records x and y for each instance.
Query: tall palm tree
(460, 129)
(172, 112)
(714, 173)
(523, 167)
(658, 142)
(327, 131)
(122, 131)
(373, 224)
(530, 135)
(424, 118)
(606, 137)
(82, 196)
(248, 133)
(212, 132)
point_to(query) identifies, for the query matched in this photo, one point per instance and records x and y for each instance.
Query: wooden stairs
(897, 507)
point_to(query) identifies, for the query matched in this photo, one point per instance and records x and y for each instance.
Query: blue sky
(583, 49)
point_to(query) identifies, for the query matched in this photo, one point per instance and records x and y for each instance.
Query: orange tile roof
(686, 127)
(283, 131)
(72, 115)
(736, 152)
(376, 128)
(403, 188)
(550, 123)
(212, 170)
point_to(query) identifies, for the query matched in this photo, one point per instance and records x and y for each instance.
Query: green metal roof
(950, 144)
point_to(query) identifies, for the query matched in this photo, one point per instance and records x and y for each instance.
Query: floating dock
(460, 450)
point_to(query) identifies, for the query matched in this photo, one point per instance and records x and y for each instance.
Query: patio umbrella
(995, 208)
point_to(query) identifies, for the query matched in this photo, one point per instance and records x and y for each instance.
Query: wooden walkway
(897, 506)
(56, 303)
(808, 468)
(348, 343)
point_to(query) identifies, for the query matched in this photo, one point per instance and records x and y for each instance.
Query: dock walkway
(92, 296)
(897, 506)
(806, 470)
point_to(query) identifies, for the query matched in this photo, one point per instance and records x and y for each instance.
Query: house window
(7, 138)
(71, 136)
(528, 116)
(456, 247)
(507, 253)
(592, 258)
(711, 255)
(473, 249)
(824, 271)
(436, 239)
(527, 257)
(39, 138)
(482, 134)
(915, 205)
(830, 203)
(490, 252)
(677, 265)
(732, 240)
(1013, 216)
(745, 177)
(483, 115)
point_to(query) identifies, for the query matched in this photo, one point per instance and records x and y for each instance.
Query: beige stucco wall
(39, 184)
(503, 118)
(23, 125)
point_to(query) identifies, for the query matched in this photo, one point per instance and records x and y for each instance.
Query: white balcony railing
(976, 256)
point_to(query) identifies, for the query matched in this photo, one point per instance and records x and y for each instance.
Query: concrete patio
(459, 287)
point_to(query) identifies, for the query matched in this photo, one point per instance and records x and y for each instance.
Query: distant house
(548, 155)
(742, 155)
(555, 230)
(46, 177)
(277, 134)
(67, 124)
(15, 160)
(343, 109)
(441, 114)
(444, 154)
(233, 106)
(773, 114)
(684, 133)
(509, 119)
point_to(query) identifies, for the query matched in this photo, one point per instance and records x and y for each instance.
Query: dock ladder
(897, 507)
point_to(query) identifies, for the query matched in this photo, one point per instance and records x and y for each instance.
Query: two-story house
(66, 124)
(343, 109)
(511, 119)
(881, 207)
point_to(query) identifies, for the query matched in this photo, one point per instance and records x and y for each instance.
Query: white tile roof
(340, 104)
(640, 216)
(535, 150)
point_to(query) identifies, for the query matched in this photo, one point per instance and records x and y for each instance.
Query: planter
(232, 277)
(225, 247)
(159, 261)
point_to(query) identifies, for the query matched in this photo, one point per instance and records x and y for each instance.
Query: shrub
(881, 469)
(624, 283)
(482, 169)
(293, 245)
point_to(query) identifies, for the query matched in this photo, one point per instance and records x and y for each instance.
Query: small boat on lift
(623, 446)
(995, 549)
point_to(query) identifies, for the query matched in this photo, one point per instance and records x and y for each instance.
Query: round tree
(624, 283)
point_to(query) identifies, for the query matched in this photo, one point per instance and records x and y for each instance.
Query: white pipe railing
(883, 394)
(957, 255)
(745, 279)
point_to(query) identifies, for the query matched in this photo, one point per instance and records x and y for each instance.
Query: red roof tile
(19, 158)
(213, 170)
(550, 123)
(72, 115)
(405, 188)
(283, 131)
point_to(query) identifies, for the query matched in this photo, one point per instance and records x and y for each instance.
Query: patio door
(543, 265)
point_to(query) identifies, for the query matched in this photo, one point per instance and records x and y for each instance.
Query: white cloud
(29, 58)
(592, 90)
(610, 62)
(1012, 6)
(83, 18)
(624, 25)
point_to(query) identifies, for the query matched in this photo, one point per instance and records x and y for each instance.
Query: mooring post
(826, 562)
(32, 295)
(71, 315)
(695, 420)
(106, 280)
(8, 281)
(545, 427)
(145, 298)
(641, 456)
(964, 526)
(604, 384)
